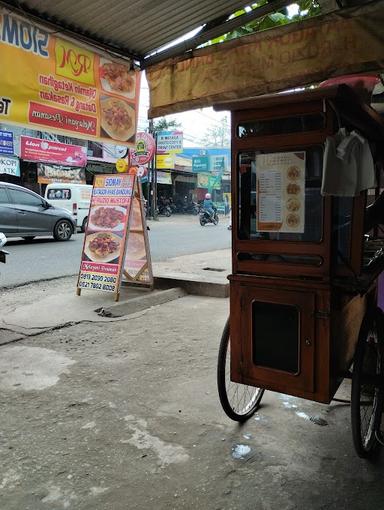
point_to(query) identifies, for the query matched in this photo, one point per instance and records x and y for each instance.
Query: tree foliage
(306, 9)
(164, 124)
(217, 136)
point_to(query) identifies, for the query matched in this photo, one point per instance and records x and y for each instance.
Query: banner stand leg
(78, 291)
(117, 296)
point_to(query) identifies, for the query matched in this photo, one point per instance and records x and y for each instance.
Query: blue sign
(6, 142)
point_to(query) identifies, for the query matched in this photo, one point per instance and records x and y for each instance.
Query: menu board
(280, 192)
(137, 263)
(105, 237)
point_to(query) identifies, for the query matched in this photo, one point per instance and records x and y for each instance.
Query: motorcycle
(164, 210)
(205, 217)
(3, 253)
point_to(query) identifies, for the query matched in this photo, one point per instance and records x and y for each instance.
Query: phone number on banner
(98, 282)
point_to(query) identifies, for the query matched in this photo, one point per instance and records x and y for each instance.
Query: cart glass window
(275, 332)
(279, 195)
(281, 126)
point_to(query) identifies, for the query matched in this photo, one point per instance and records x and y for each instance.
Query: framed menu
(280, 192)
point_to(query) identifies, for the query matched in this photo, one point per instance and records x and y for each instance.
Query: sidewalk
(123, 414)
(49, 304)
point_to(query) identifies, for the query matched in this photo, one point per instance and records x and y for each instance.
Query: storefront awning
(294, 55)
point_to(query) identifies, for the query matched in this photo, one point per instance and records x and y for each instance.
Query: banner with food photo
(137, 264)
(65, 86)
(105, 236)
(280, 192)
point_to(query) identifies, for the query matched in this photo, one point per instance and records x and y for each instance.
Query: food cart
(306, 256)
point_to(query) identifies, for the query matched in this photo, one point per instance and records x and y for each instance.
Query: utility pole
(151, 170)
(155, 183)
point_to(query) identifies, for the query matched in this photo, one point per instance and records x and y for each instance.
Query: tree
(305, 9)
(217, 136)
(165, 125)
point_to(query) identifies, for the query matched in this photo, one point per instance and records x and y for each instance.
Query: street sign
(6, 142)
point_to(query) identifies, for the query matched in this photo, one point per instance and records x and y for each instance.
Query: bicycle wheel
(367, 395)
(239, 401)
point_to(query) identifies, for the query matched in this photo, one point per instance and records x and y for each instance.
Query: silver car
(26, 214)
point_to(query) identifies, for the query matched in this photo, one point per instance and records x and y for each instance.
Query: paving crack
(69, 324)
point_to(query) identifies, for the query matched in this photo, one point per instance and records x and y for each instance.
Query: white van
(76, 198)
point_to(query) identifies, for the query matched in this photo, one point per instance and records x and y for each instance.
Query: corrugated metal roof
(131, 27)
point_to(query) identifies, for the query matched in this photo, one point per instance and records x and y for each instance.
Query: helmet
(208, 196)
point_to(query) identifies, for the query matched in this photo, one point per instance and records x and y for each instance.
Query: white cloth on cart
(348, 166)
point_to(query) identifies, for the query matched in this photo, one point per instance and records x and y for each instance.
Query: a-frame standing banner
(137, 267)
(108, 241)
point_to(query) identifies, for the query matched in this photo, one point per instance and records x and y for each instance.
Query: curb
(137, 304)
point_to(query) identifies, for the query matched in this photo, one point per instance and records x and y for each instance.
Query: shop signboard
(113, 152)
(6, 142)
(115, 234)
(144, 150)
(218, 164)
(48, 151)
(63, 86)
(200, 164)
(169, 141)
(208, 181)
(165, 161)
(47, 174)
(10, 166)
(164, 178)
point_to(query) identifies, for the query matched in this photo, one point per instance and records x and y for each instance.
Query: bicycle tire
(367, 399)
(239, 401)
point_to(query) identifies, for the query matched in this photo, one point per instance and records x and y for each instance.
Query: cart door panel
(276, 338)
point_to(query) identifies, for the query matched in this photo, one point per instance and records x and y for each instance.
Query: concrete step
(147, 299)
(194, 284)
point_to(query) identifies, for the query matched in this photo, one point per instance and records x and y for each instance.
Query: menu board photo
(105, 237)
(280, 192)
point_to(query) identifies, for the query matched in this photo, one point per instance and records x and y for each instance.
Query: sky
(194, 123)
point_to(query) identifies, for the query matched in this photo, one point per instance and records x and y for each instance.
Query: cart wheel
(367, 396)
(239, 401)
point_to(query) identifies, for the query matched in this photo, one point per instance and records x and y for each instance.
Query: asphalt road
(44, 258)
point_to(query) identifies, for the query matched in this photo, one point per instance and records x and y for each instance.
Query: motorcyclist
(208, 205)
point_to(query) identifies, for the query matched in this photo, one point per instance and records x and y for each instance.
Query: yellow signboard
(165, 161)
(52, 84)
(296, 54)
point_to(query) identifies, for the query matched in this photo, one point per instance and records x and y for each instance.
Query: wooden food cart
(304, 271)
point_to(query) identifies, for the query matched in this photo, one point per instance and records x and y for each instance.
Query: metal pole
(155, 185)
(150, 176)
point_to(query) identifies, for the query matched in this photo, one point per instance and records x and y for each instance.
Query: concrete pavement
(122, 414)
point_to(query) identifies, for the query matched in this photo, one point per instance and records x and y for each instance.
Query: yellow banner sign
(297, 54)
(165, 161)
(52, 84)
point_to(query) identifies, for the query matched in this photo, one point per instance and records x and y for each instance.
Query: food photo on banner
(72, 89)
(105, 236)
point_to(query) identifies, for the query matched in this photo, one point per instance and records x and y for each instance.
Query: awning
(349, 41)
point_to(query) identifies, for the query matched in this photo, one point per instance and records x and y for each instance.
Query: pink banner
(47, 151)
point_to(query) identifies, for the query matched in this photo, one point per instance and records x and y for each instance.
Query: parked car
(76, 198)
(26, 214)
